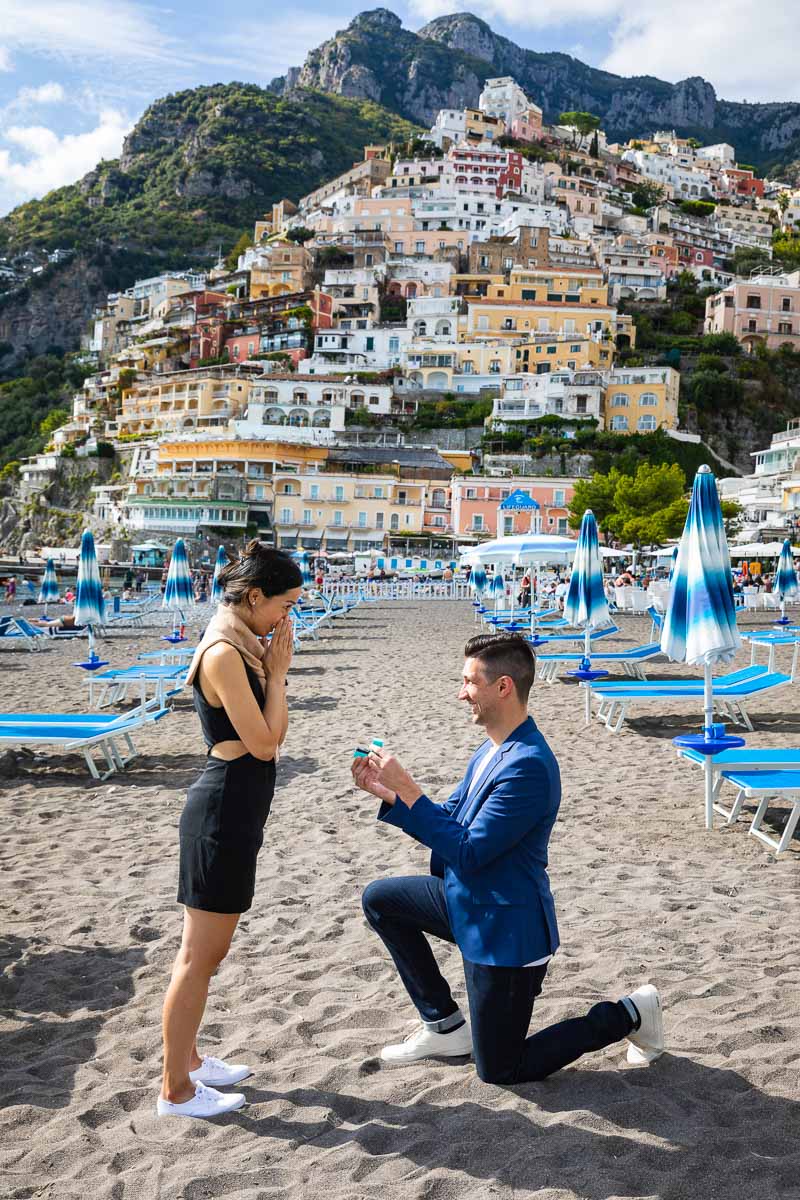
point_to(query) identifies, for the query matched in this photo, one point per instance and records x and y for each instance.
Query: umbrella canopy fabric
(221, 561)
(49, 589)
(306, 574)
(786, 577)
(498, 584)
(178, 593)
(477, 579)
(90, 607)
(700, 622)
(586, 606)
(522, 548)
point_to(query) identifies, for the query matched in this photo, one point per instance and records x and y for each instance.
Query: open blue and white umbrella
(90, 607)
(178, 593)
(48, 593)
(785, 580)
(216, 587)
(586, 606)
(700, 621)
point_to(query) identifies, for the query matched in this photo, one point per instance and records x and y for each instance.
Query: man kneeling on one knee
(488, 892)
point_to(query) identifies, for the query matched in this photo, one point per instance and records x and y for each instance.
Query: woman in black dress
(240, 697)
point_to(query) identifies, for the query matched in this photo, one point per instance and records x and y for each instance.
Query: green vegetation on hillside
(28, 403)
(199, 167)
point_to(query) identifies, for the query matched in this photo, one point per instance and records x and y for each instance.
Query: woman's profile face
(266, 611)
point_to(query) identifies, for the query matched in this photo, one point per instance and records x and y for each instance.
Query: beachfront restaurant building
(477, 500)
(363, 499)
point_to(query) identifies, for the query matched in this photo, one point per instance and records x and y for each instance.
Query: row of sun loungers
(82, 732)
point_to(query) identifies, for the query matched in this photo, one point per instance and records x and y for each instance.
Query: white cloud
(5, 60)
(265, 49)
(46, 93)
(39, 159)
(745, 53)
(77, 30)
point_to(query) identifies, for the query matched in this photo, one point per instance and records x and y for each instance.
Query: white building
(770, 497)
(449, 127)
(683, 182)
(576, 394)
(377, 349)
(503, 97)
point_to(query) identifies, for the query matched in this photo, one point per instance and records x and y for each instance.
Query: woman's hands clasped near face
(278, 653)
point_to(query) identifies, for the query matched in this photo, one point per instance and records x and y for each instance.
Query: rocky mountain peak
(379, 19)
(462, 31)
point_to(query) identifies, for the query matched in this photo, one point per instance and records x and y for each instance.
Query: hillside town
(491, 269)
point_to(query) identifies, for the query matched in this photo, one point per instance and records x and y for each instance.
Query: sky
(75, 75)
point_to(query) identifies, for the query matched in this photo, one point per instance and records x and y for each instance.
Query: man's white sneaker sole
(426, 1044)
(646, 1043)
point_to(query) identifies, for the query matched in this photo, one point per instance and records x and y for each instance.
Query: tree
(649, 506)
(54, 419)
(232, 259)
(594, 146)
(647, 195)
(299, 234)
(597, 494)
(783, 201)
(582, 125)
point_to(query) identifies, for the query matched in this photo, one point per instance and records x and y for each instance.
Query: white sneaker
(206, 1102)
(424, 1043)
(216, 1073)
(646, 1042)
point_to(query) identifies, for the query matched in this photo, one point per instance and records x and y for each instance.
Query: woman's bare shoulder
(222, 657)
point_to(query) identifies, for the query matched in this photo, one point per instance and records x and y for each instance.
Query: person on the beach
(240, 698)
(488, 892)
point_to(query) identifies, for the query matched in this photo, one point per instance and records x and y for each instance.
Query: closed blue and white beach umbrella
(586, 606)
(700, 621)
(477, 579)
(178, 593)
(216, 586)
(785, 579)
(48, 594)
(90, 607)
(306, 573)
(498, 587)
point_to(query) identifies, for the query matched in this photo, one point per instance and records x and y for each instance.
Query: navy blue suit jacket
(490, 848)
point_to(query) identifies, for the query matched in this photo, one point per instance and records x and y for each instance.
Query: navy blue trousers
(403, 910)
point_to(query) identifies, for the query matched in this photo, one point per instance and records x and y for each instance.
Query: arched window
(646, 423)
(619, 422)
(420, 328)
(443, 328)
(620, 400)
(300, 397)
(356, 399)
(648, 400)
(438, 498)
(270, 396)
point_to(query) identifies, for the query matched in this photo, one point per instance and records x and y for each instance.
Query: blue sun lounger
(743, 759)
(765, 786)
(730, 694)
(576, 638)
(547, 665)
(80, 731)
(115, 683)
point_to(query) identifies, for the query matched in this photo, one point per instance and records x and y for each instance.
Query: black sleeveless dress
(222, 824)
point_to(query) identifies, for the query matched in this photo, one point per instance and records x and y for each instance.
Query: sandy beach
(90, 926)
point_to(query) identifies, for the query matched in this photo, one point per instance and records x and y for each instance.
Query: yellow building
(219, 482)
(553, 285)
(280, 268)
(343, 510)
(481, 127)
(543, 352)
(182, 401)
(642, 399)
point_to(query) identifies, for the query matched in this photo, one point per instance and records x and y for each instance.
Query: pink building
(762, 310)
(477, 498)
(527, 127)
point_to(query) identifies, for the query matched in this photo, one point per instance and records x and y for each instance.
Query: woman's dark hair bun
(260, 566)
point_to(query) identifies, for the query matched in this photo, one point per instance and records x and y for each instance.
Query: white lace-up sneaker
(646, 1042)
(205, 1103)
(424, 1043)
(216, 1073)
